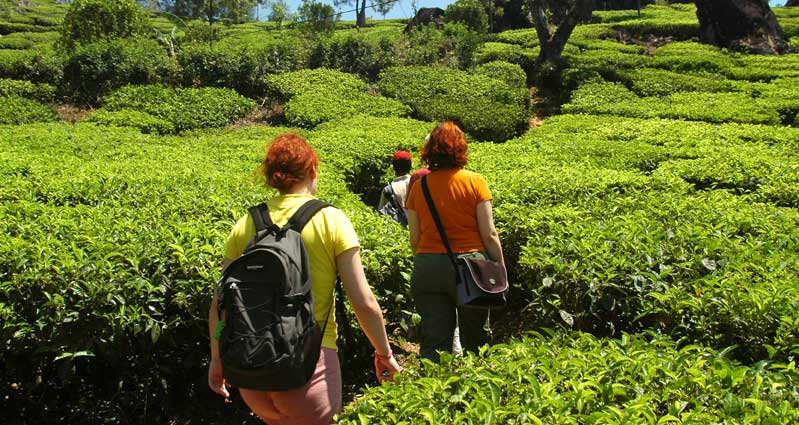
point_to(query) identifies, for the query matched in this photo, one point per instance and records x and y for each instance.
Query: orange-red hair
(289, 159)
(446, 147)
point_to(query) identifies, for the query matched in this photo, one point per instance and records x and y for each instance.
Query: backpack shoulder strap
(304, 214)
(260, 216)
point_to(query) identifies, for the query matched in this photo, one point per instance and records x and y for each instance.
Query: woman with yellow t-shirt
(333, 249)
(463, 201)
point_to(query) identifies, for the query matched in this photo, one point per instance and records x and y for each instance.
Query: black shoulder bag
(479, 283)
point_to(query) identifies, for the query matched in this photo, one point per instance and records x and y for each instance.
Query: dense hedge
(487, 108)
(614, 224)
(320, 95)
(241, 67)
(20, 110)
(35, 65)
(510, 73)
(186, 109)
(22, 88)
(363, 54)
(615, 98)
(578, 379)
(131, 118)
(111, 245)
(95, 70)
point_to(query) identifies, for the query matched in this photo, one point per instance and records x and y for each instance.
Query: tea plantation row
(113, 238)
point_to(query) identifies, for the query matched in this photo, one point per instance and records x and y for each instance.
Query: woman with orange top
(463, 201)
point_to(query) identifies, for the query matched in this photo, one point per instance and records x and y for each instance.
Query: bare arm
(413, 228)
(488, 233)
(366, 308)
(215, 380)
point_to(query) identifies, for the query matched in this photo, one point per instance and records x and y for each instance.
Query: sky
(402, 8)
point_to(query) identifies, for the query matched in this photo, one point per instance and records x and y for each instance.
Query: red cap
(401, 155)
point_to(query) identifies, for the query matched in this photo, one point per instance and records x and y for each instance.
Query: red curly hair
(289, 159)
(446, 147)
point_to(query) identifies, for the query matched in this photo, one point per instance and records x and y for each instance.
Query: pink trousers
(315, 403)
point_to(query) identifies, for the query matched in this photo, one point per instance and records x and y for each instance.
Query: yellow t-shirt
(456, 193)
(328, 234)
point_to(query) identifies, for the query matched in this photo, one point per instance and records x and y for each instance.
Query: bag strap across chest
(437, 219)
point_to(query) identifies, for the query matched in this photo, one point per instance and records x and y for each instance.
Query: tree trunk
(360, 21)
(552, 43)
(745, 25)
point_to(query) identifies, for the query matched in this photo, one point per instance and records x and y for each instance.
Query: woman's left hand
(386, 367)
(215, 379)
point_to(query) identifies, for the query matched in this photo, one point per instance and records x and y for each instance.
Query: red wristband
(385, 358)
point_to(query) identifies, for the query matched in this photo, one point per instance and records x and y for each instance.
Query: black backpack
(270, 340)
(392, 208)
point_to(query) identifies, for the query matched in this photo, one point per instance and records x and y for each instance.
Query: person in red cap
(393, 195)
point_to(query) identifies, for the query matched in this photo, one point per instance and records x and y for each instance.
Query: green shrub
(692, 57)
(131, 118)
(524, 37)
(201, 32)
(525, 57)
(510, 73)
(487, 108)
(424, 46)
(658, 82)
(22, 88)
(9, 42)
(316, 17)
(89, 21)
(19, 110)
(315, 96)
(242, 68)
(615, 98)
(186, 109)
(286, 86)
(36, 65)
(27, 40)
(97, 69)
(311, 109)
(578, 378)
(470, 13)
(355, 53)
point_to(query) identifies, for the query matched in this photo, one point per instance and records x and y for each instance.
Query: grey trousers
(433, 289)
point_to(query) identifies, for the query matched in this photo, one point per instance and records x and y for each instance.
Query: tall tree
(748, 25)
(554, 22)
(360, 10)
(791, 3)
(383, 6)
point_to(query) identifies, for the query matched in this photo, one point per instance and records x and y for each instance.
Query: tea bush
(21, 88)
(487, 108)
(95, 70)
(494, 51)
(19, 110)
(657, 82)
(35, 65)
(316, 96)
(242, 68)
(111, 246)
(510, 73)
(89, 21)
(186, 109)
(577, 378)
(614, 98)
(470, 13)
(363, 54)
(131, 118)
